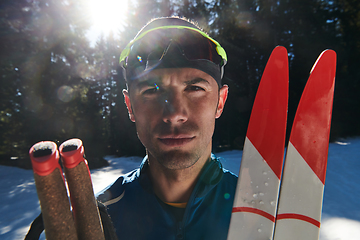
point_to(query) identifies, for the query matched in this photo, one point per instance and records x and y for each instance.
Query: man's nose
(175, 108)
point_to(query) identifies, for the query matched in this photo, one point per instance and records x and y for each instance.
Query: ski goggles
(173, 46)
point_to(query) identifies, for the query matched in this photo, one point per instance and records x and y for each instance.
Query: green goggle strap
(125, 53)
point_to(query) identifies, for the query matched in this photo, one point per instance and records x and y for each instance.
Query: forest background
(55, 84)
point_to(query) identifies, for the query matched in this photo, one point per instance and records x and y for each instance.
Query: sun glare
(107, 15)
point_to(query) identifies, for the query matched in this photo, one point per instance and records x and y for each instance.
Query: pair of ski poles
(83, 222)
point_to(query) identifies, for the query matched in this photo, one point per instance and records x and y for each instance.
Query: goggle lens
(193, 44)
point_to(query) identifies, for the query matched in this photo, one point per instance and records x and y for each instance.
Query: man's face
(174, 111)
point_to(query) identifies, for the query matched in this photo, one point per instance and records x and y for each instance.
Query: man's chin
(177, 159)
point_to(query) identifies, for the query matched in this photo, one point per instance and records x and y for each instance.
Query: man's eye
(195, 88)
(151, 90)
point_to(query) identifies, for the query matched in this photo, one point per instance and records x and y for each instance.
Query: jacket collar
(210, 176)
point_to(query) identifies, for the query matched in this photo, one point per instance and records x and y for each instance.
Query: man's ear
(128, 104)
(223, 93)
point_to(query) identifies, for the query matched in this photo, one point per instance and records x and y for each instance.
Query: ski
(51, 190)
(254, 208)
(301, 196)
(86, 213)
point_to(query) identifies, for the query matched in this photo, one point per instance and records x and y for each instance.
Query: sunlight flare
(107, 15)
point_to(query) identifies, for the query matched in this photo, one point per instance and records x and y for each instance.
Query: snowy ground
(341, 210)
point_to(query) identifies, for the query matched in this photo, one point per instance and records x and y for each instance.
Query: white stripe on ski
(299, 208)
(256, 199)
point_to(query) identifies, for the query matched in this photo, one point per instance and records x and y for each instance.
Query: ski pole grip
(44, 157)
(86, 214)
(72, 152)
(50, 186)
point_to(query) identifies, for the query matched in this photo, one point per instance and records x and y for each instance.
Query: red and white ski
(299, 211)
(254, 209)
(301, 196)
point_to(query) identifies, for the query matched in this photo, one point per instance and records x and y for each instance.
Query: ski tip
(278, 63)
(280, 48)
(329, 52)
(271, 103)
(329, 55)
(280, 51)
(311, 126)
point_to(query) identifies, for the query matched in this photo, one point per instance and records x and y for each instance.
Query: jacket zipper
(180, 227)
(180, 233)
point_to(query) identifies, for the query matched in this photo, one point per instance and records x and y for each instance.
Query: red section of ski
(298, 217)
(269, 111)
(311, 129)
(254, 210)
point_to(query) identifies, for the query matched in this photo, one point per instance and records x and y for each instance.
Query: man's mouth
(176, 141)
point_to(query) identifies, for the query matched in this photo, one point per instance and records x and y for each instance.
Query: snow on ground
(341, 211)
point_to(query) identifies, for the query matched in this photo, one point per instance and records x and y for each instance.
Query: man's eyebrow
(147, 82)
(197, 80)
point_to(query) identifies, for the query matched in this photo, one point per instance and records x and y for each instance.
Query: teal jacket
(137, 213)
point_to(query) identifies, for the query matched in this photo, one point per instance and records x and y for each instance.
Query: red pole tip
(72, 152)
(44, 157)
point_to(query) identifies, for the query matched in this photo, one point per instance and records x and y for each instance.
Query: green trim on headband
(125, 53)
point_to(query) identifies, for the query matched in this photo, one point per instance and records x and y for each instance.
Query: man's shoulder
(116, 189)
(229, 174)
(214, 175)
(229, 179)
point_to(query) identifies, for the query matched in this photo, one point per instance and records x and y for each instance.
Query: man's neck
(175, 186)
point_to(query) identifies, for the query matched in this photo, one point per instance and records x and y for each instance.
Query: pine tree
(46, 56)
